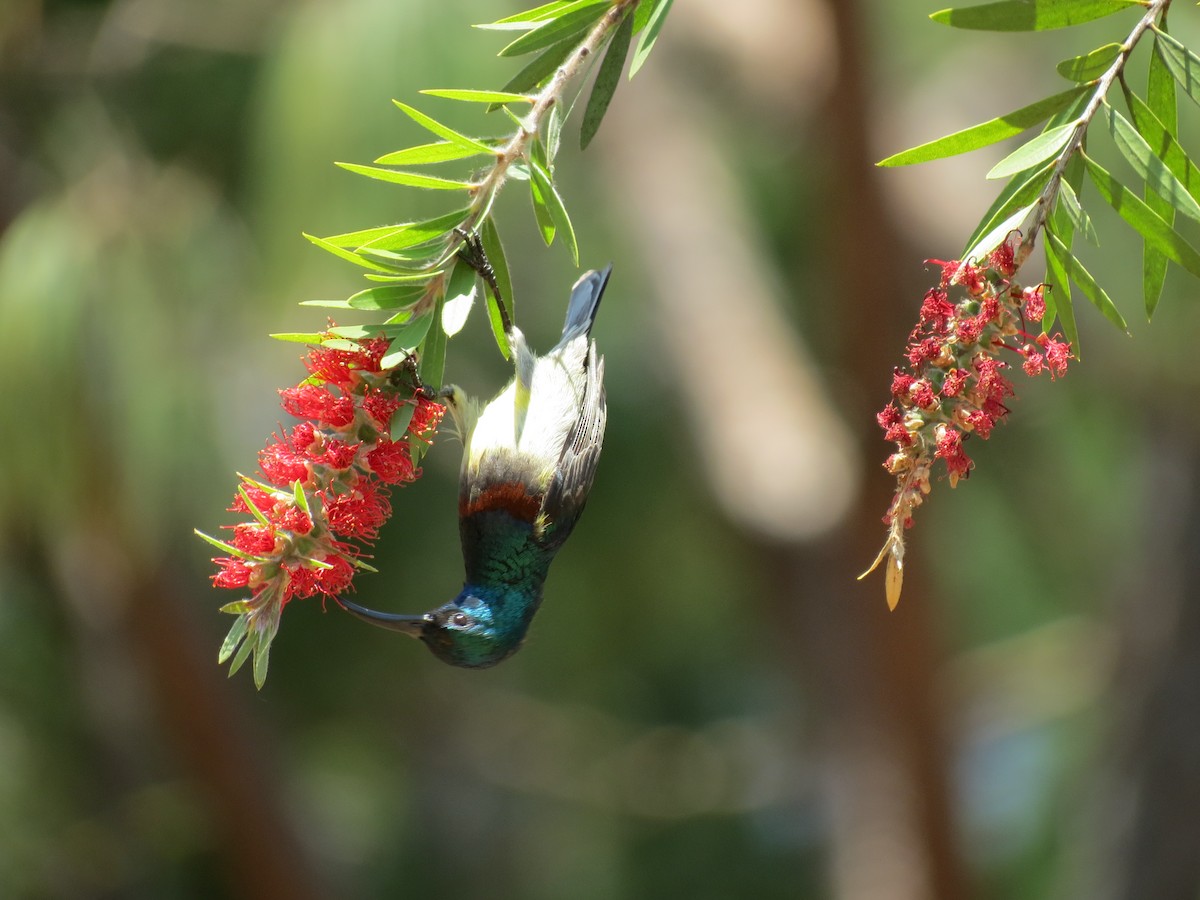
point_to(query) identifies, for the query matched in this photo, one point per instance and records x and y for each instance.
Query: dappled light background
(709, 704)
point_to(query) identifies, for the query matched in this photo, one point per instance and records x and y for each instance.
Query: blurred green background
(709, 705)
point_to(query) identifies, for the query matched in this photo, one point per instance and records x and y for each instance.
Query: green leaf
(541, 211)
(556, 207)
(537, 14)
(404, 335)
(236, 633)
(986, 133)
(1020, 192)
(262, 653)
(460, 297)
(1158, 124)
(403, 415)
(432, 361)
(342, 253)
(1059, 295)
(995, 237)
(1082, 277)
(1043, 147)
(568, 22)
(554, 131)
(641, 14)
(654, 25)
(490, 238)
(469, 96)
(1149, 224)
(1029, 15)
(412, 179)
(443, 131)
(1079, 218)
(443, 151)
(607, 79)
(542, 67)
(417, 233)
(297, 337)
(1181, 62)
(247, 645)
(1090, 65)
(1146, 163)
(358, 238)
(387, 297)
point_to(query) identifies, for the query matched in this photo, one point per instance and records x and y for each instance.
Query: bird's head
(464, 632)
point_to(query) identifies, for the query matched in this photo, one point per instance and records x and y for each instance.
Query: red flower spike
(956, 384)
(331, 476)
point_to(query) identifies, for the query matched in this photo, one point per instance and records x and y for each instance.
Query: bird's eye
(461, 620)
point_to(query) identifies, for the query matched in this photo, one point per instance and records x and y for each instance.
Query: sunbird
(529, 459)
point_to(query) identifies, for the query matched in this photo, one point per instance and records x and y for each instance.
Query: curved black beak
(413, 626)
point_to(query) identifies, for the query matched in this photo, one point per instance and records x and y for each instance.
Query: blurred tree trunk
(893, 835)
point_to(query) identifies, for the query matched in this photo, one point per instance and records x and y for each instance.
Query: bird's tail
(585, 300)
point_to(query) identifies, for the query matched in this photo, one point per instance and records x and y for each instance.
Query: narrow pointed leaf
(607, 79)
(645, 44)
(412, 179)
(262, 655)
(416, 233)
(1045, 146)
(1060, 294)
(1079, 218)
(641, 14)
(537, 14)
(296, 337)
(541, 211)
(1149, 224)
(985, 133)
(1090, 65)
(570, 21)
(343, 253)
(1160, 112)
(554, 132)
(469, 96)
(443, 151)
(995, 237)
(358, 238)
(247, 645)
(432, 361)
(236, 633)
(539, 69)
(1019, 193)
(1146, 163)
(387, 297)
(1082, 277)
(1181, 62)
(557, 209)
(406, 338)
(490, 238)
(443, 131)
(1029, 15)
(460, 297)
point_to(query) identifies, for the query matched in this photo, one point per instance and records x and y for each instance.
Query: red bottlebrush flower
(954, 382)
(936, 310)
(969, 329)
(328, 480)
(1033, 360)
(901, 383)
(381, 408)
(426, 418)
(1003, 259)
(358, 513)
(310, 401)
(922, 394)
(296, 520)
(981, 423)
(1035, 303)
(282, 465)
(234, 573)
(391, 461)
(949, 448)
(250, 537)
(1057, 355)
(956, 347)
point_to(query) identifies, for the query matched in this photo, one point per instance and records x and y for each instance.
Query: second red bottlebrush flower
(955, 385)
(326, 490)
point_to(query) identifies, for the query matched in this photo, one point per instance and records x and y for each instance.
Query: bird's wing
(576, 469)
